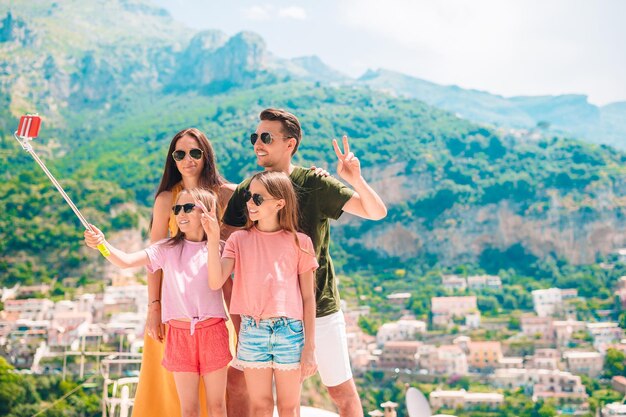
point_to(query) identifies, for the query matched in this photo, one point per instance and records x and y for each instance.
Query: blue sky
(507, 47)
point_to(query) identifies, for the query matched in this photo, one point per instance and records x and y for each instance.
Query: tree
(547, 410)
(12, 391)
(614, 362)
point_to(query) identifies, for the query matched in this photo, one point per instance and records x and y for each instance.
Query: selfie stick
(27, 130)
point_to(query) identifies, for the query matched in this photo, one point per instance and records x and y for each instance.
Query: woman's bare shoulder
(228, 186)
(164, 199)
(226, 191)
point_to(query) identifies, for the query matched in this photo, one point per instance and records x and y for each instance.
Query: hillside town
(545, 358)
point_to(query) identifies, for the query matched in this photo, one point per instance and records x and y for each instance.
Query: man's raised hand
(348, 165)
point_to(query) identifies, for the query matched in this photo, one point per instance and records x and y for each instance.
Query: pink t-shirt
(185, 292)
(267, 265)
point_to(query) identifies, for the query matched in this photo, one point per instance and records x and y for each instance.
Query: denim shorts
(271, 343)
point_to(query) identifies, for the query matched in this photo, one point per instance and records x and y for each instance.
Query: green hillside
(457, 192)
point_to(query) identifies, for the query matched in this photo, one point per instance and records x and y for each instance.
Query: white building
(463, 399)
(400, 330)
(403, 354)
(136, 294)
(546, 384)
(472, 320)
(553, 301)
(547, 302)
(542, 381)
(614, 410)
(30, 309)
(584, 363)
(513, 362)
(564, 329)
(544, 359)
(453, 282)
(538, 328)
(444, 309)
(443, 360)
(400, 298)
(604, 334)
(477, 282)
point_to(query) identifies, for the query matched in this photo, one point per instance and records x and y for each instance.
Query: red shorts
(206, 351)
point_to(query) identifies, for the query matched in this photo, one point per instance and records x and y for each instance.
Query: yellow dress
(156, 392)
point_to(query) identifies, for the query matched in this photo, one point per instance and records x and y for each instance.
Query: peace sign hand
(209, 221)
(348, 165)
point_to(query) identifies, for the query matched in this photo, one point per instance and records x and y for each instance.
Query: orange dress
(156, 392)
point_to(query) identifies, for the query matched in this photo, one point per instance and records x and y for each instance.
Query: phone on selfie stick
(27, 130)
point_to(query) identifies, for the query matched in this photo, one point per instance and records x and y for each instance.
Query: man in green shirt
(320, 199)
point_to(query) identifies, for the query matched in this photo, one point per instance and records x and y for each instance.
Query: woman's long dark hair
(210, 178)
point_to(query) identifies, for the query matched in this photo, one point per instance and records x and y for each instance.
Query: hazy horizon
(509, 49)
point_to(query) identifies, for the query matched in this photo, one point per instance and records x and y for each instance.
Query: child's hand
(94, 238)
(307, 363)
(209, 222)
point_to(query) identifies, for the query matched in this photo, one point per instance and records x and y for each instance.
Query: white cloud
(269, 12)
(257, 13)
(293, 12)
(507, 47)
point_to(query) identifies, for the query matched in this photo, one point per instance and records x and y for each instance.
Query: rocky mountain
(74, 61)
(571, 115)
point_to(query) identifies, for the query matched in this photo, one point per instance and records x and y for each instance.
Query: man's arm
(365, 202)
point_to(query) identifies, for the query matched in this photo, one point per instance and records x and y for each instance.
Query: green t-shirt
(319, 200)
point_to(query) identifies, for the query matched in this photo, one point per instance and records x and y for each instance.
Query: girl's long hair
(279, 186)
(204, 196)
(210, 178)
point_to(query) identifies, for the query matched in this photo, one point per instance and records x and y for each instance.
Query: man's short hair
(290, 123)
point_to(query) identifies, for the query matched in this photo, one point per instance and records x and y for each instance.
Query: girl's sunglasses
(256, 198)
(266, 138)
(180, 155)
(188, 208)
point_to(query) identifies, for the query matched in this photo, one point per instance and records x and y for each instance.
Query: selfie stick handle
(28, 147)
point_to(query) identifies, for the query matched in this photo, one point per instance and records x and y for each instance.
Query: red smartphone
(29, 126)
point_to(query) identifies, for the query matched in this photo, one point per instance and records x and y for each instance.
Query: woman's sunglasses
(188, 208)
(180, 155)
(257, 199)
(266, 138)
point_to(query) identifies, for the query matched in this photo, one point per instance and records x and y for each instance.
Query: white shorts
(331, 349)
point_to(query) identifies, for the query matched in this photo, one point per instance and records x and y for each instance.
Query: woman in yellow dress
(190, 164)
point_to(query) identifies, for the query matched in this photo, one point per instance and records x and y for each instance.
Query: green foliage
(12, 391)
(26, 395)
(368, 325)
(458, 164)
(614, 363)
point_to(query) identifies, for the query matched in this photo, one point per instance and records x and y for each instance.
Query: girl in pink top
(197, 338)
(273, 291)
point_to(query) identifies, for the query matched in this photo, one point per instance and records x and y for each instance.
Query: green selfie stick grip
(104, 250)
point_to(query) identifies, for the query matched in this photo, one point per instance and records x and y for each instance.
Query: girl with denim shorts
(197, 344)
(273, 291)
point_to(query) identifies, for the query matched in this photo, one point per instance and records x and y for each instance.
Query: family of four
(272, 234)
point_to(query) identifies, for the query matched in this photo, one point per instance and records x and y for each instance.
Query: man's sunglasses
(188, 208)
(180, 155)
(258, 199)
(266, 138)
